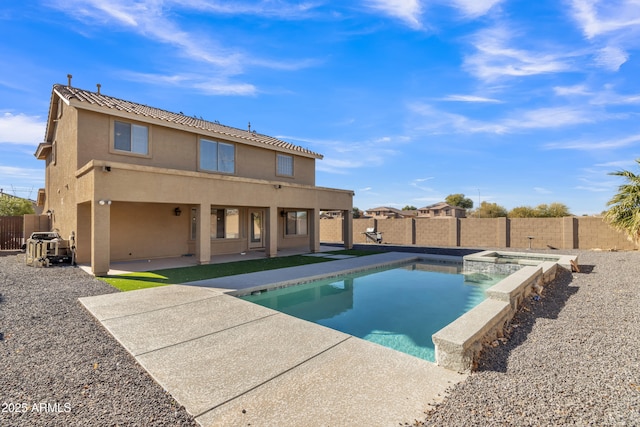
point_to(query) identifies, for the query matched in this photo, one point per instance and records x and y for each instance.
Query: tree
(459, 200)
(522, 212)
(14, 206)
(356, 212)
(554, 210)
(624, 211)
(490, 210)
(409, 208)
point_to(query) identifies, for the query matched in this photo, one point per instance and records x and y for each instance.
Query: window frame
(296, 221)
(221, 233)
(278, 171)
(218, 159)
(114, 150)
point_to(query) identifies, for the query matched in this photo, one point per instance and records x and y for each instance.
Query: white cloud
(541, 190)
(417, 183)
(571, 90)
(155, 21)
(470, 98)
(495, 58)
(600, 17)
(611, 58)
(475, 8)
(610, 97)
(272, 9)
(552, 117)
(341, 157)
(21, 129)
(15, 173)
(595, 145)
(408, 11)
(203, 83)
(443, 122)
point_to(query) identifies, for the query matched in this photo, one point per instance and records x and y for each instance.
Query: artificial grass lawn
(171, 276)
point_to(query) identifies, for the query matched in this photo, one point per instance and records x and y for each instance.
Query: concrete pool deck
(231, 362)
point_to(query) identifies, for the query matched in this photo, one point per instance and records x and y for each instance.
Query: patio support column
(314, 230)
(203, 239)
(271, 247)
(100, 237)
(347, 229)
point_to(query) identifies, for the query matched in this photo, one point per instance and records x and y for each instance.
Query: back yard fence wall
(537, 233)
(11, 232)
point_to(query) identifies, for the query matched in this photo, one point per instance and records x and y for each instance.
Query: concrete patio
(231, 362)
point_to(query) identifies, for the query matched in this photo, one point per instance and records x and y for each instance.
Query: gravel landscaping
(572, 357)
(60, 367)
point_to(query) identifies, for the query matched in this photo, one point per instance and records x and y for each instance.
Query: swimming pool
(398, 307)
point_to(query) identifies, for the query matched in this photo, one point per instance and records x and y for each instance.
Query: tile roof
(70, 93)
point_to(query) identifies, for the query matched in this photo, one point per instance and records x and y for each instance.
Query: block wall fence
(559, 233)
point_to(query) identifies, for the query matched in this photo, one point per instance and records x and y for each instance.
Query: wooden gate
(11, 232)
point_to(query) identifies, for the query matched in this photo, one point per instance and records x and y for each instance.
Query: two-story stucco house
(136, 182)
(442, 210)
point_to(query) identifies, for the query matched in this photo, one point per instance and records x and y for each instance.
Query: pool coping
(245, 284)
(232, 362)
(459, 344)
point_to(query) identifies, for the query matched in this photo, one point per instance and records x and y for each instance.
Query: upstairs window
(217, 156)
(285, 165)
(131, 138)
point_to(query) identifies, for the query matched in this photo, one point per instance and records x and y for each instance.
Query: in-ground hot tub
(503, 262)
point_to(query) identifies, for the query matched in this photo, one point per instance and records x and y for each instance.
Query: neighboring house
(331, 214)
(442, 210)
(136, 182)
(384, 212)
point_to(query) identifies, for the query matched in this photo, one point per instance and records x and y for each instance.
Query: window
(285, 165)
(225, 223)
(217, 156)
(194, 223)
(296, 223)
(131, 138)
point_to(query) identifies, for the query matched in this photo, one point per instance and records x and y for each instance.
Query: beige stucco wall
(147, 230)
(61, 189)
(595, 233)
(331, 229)
(436, 232)
(545, 232)
(397, 231)
(143, 191)
(170, 188)
(178, 149)
(478, 232)
(561, 233)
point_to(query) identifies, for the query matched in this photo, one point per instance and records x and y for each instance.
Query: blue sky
(512, 102)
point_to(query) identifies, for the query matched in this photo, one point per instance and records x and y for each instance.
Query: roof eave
(43, 150)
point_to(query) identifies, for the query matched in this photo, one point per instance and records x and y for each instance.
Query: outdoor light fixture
(49, 212)
(104, 202)
(177, 211)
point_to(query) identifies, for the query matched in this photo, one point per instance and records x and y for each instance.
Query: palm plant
(624, 211)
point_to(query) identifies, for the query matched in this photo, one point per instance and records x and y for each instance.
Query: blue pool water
(399, 307)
